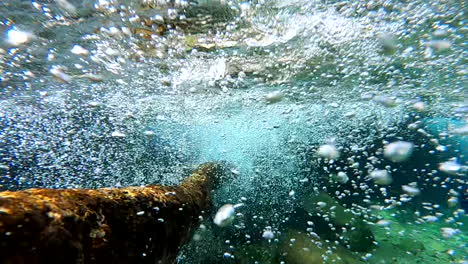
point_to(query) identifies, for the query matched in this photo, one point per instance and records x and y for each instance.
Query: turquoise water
(308, 101)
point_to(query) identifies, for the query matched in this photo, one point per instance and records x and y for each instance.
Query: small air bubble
(58, 73)
(328, 151)
(450, 167)
(381, 177)
(17, 37)
(268, 234)
(274, 97)
(398, 151)
(118, 134)
(79, 50)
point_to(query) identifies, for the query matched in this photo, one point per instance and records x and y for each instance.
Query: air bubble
(225, 215)
(17, 37)
(328, 151)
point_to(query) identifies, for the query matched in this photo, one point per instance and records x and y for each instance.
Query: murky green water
(344, 121)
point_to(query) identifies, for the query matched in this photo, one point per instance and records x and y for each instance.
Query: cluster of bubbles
(341, 119)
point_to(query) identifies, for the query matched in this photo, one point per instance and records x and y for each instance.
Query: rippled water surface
(344, 121)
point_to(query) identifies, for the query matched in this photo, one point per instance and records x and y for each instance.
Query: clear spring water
(310, 102)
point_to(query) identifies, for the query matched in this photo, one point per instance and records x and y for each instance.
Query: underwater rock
(409, 244)
(358, 236)
(109, 225)
(299, 248)
(257, 253)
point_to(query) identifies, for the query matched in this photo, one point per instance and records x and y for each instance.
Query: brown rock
(110, 225)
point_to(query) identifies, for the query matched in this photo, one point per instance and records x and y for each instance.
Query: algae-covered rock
(360, 237)
(408, 244)
(355, 232)
(299, 248)
(326, 205)
(257, 253)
